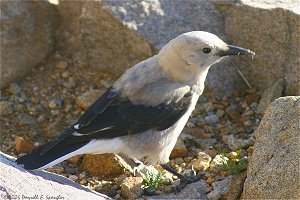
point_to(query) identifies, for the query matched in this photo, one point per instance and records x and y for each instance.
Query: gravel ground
(221, 131)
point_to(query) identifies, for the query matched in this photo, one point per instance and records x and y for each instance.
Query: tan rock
(88, 98)
(271, 29)
(105, 165)
(273, 171)
(236, 187)
(74, 159)
(131, 187)
(27, 37)
(93, 37)
(270, 94)
(179, 150)
(202, 162)
(22, 146)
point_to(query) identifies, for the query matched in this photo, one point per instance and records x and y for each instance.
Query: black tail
(38, 160)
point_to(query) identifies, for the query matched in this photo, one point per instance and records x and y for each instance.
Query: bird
(142, 114)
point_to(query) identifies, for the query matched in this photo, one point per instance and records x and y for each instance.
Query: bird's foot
(184, 180)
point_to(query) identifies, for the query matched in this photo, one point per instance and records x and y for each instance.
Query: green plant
(234, 165)
(153, 179)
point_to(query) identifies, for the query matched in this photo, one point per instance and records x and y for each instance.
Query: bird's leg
(139, 165)
(184, 180)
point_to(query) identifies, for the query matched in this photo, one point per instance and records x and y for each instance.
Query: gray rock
(273, 171)
(271, 29)
(5, 108)
(191, 191)
(220, 188)
(26, 119)
(17, 183)
(93, 37)
(162, 20)
(212, 118)
(27, 36)
(269, 95)
(236, 143)
(205, 143)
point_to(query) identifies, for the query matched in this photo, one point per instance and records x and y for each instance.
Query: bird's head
(188, 57)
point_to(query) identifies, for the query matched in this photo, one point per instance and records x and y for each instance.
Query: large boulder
(27, 30)
(93, 37)
(273, 171)
(271, 29)
(17, 183)
(160, 21)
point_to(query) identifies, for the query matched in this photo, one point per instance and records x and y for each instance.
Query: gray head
(188, 57)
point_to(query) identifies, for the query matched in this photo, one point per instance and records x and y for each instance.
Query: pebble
(117, 196)
(220, 113)
(233, 112)
(26, 119)
(73, 177)
(179, 160)
(62, 65)
(5, 108)
(55, 103)
(212, 118)
(190, 125)
(202, 162)
(22, 146)
(14, 89)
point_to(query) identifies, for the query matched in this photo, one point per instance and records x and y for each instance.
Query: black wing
(112, 116)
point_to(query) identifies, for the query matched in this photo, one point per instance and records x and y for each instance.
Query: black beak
(234, 50)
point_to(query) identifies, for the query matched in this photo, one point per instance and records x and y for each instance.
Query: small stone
(55, 103)
(26, 119)
(232, 155)
(210, 180)
(22, 146)
(233, 112)
(105, 165)
(188, 159)
(89, 97)
(202, 162)
(82, 175)
(158, 192)
(62, 65)
(206, 143)
(73, 177)
(252, 98)
(131, 187)
(250, 150)
(236, 186)
(212, 118)
(180, 149)
(14, 89)
(190, 125)
(167, 189)
(220, 113)
(235, 143)
(210, 152)
(83, 181)
(5, 108)
(65, 74)
(219, 188)
(117, 196)
(179, 160)
(74, 159)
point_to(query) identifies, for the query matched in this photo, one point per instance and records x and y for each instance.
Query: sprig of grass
(153, 179)
(234, 165)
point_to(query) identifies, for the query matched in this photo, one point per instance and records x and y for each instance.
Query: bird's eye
(206, 50)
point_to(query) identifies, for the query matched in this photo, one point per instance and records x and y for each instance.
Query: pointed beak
(234, 50)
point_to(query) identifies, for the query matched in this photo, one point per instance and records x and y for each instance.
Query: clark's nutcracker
(145, 110)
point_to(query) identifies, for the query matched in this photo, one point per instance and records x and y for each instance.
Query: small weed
(234, 165)
(153, 179)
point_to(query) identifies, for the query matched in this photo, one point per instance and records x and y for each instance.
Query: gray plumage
(144, 112)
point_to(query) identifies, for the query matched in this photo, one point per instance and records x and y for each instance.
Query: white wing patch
(79, 134)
